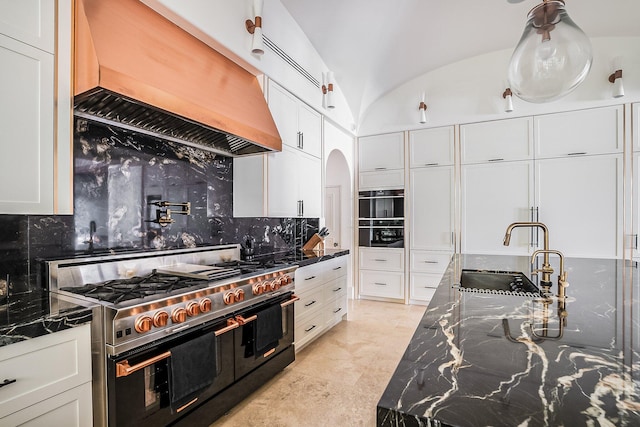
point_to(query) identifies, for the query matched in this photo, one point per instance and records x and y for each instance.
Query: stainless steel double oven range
(179, 336)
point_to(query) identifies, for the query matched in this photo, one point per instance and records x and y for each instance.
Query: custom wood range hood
(136, 69)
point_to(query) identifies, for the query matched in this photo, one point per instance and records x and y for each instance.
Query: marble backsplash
(118, 176)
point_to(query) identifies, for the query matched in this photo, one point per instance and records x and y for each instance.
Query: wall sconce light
(616, 78)
(255, 28)
(508, 100)
(422, 107)
(327, 90)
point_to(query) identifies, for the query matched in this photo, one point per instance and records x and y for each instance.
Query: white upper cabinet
(31, 22)
(594, 131)
(381, 152)
(299, 125)
(495, 141)
(35, 149)
(294, 184)
(580, 200)
(493, 196)
(431, 147)
(431, 201)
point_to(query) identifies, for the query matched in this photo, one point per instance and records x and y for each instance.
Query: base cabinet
(382, 273)
(70, 409)
(322, 289)
(52, 374)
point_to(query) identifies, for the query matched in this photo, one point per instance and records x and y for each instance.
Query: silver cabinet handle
(310, 303)
(337, 268)
(380, 260)
(380, 169)
(430, 262)
(380, 284)
(635, 239)
(495, 160)
(310, 277)
(431, 164)
(579, 153)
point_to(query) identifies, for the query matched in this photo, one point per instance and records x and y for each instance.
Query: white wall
(471, 91)
(221, 25)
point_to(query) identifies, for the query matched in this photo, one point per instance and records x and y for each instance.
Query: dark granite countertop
(474, 361)
(303, 258)
(27, 316)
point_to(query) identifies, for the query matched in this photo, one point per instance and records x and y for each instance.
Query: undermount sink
(497, 281)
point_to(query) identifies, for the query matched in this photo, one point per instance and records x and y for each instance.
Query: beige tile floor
(338, 379)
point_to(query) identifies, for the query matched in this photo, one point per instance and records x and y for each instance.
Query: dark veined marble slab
(479, 359)
(27, 316)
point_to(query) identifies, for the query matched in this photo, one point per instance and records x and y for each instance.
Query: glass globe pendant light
(553, 56)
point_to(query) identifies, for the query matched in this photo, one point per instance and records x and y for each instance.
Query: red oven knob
(160, 319)
(179, 315)
(229, 297)
(193, 308)
(143, 324)
(238, 295)
(205, 305)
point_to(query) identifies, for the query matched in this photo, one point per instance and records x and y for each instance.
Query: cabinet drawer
(337, 267)
(423, 286)
(310, 276)
(335, 310)
(429, 262)
(335, 289)
(310, 301)
(381, 152)
(43, 367)
(431, 147)
(382, 259)
(380, 180)
(382, 284)
(308, 327)
(72, 408)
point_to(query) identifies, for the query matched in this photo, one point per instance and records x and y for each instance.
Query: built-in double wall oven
(381, 218)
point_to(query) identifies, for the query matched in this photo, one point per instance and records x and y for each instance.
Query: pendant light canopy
(553, 56)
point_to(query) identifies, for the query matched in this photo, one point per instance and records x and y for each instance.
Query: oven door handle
(123, 368)
(231, 325)
(242, 321)
(293, 299)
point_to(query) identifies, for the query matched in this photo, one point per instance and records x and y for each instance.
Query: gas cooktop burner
(118, 290)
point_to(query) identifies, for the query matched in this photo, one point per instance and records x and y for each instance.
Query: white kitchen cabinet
(381, 180)
(71, 408)
(294, 184)
(299, 125)
(35, 152)
(431, 202)
(44, 369)
(499, 140)
(431, 147)
(427, 268)
(30, 22)
(580, 200)
(593, 131)
(381, 272)
(322, 289)
(493, 196)
(381, 152)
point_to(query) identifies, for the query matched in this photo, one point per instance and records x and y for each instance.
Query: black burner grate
(118, 290)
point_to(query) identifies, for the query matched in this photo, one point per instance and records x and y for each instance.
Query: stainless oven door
(250, 355)
(139, 380)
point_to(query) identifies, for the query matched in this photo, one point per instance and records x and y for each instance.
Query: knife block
(314, 243)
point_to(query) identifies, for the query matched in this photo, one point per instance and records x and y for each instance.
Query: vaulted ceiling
(374, 46)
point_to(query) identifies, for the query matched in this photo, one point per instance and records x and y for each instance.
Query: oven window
(152, 388)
